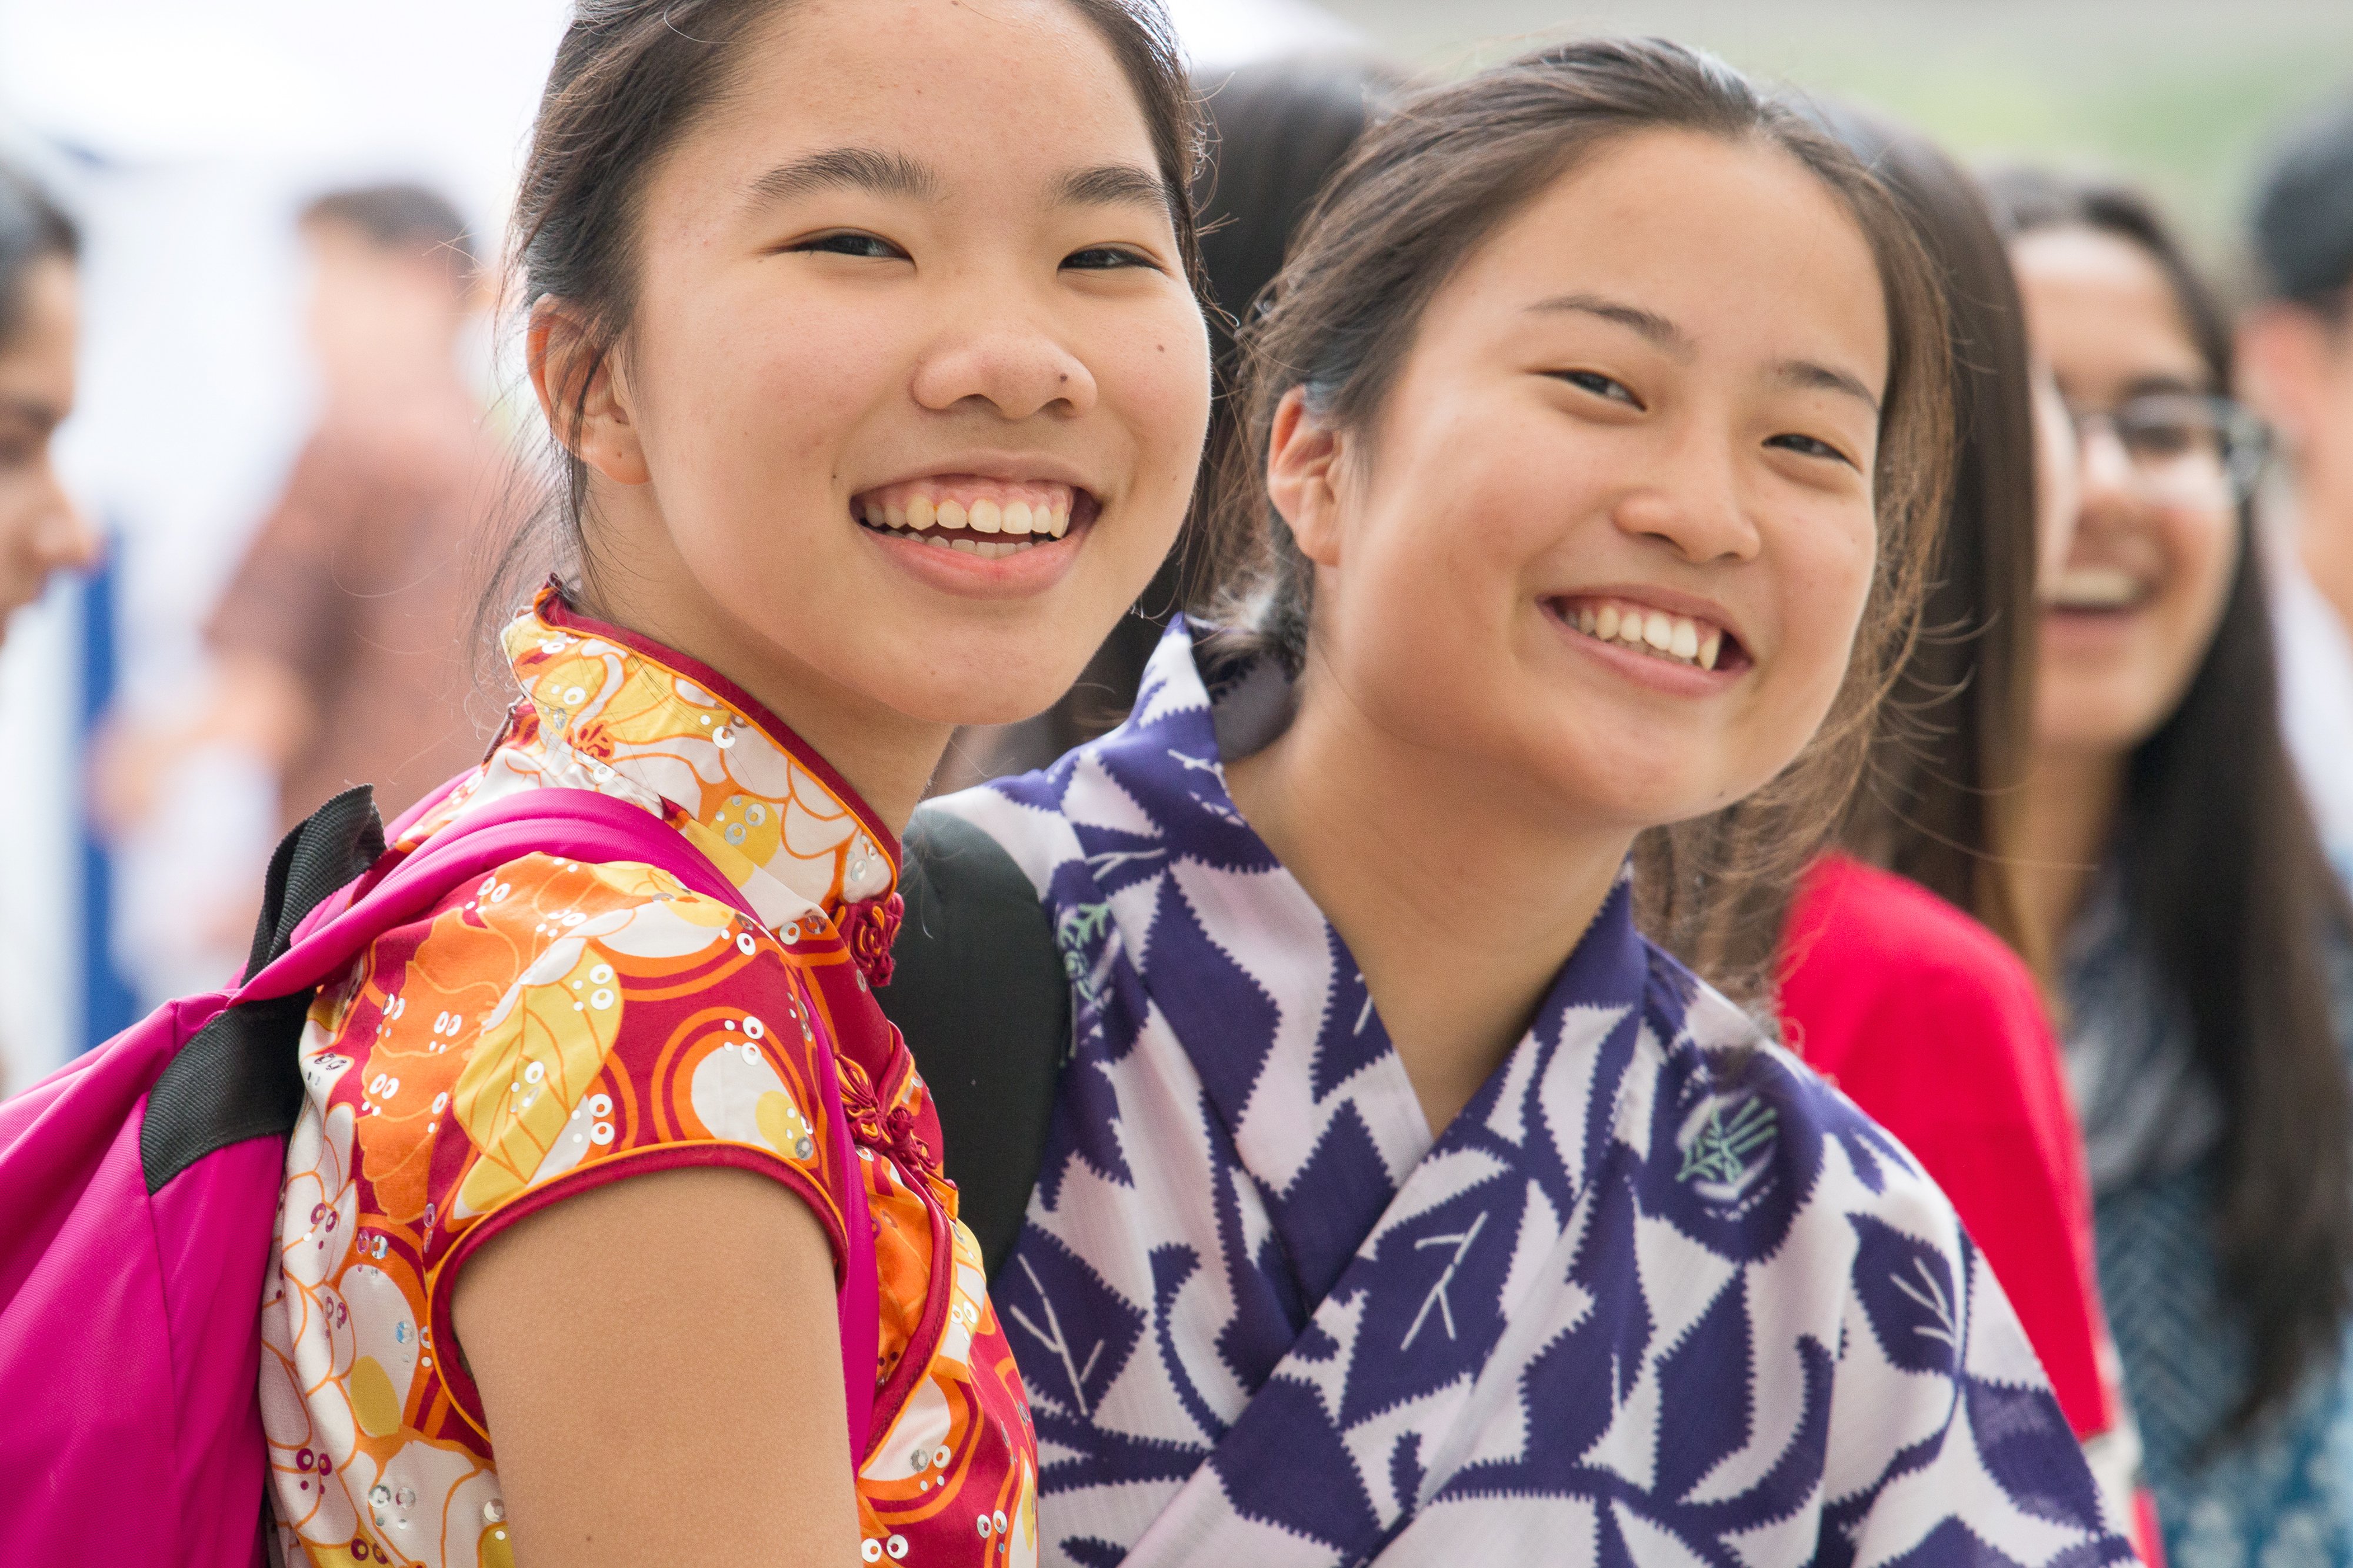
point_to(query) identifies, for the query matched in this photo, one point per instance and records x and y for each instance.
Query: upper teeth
(978, 507)
(1680, 639)
(2096, 587)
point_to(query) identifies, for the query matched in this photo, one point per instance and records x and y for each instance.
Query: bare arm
(661, 1371)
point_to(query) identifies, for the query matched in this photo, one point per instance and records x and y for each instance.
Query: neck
(887, 757)
(2070, 810)
(1459, 901)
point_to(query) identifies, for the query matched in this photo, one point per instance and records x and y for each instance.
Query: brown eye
(851, 242)
(1598, 384)
(1810, 446)
(1107, 258)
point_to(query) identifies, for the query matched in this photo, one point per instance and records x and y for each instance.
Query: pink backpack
(139, 1195)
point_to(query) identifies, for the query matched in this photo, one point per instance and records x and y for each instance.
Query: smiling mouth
(1689, 640)
(989, 518)
(2099, 590)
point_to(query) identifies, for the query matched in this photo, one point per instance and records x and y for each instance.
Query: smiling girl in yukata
(870, 334)
(1400, 1202)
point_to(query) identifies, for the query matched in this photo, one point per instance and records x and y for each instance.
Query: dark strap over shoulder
(979, 992)
(240, 1076)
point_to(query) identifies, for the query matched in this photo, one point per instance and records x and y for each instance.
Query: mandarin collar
(773, 815)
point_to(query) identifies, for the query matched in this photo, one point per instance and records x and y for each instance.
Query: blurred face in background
(383, 320)
(2299, 364)
(2129, 617)
(40, 530)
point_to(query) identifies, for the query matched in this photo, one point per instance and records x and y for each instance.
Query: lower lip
(1645, 670)
(1032, 570)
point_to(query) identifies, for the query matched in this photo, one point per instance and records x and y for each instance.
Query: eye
(852, 242)
(1598, 384)
(1810, 446)
(1108, 257)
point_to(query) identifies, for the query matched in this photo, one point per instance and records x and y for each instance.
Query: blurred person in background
(41, 530)
(340, 642)
(1898, 959)
(1278, 129)
(2296, 350)
(2205, 951)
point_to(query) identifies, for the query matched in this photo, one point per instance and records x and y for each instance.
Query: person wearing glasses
(2296, 346)
(41, 531)
(2204, 951)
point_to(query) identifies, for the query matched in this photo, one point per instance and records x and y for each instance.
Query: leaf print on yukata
(540, 1049)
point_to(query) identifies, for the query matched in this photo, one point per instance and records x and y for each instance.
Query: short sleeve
(565, 1024)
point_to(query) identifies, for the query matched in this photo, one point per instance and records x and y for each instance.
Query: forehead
(2093, 297)
(996, 93)
(1736, 242)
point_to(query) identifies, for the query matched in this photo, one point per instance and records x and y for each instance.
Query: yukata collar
(1197, 701)
(646, 721)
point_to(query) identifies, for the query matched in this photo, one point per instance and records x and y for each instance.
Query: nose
(1692, 505)
(1008, 364)
(2102, 465)
(63, 538)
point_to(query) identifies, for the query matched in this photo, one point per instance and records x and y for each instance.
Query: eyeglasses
(2182, 449)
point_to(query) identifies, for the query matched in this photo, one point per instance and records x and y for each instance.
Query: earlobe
(582, 397)
(1302, 472)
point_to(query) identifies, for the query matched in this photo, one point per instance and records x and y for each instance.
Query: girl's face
(915, 388)
(40, 530)
(1613, 533)
(2128, 621)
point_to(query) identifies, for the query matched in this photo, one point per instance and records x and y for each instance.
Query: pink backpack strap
(582, 825)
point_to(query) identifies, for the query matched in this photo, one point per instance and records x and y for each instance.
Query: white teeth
(969, 546)
(935, 539)
(919, 513)
(1017, 517)
(986, 517)
(1062, 519)
(2096, 588)
(950, 514)
(897, 516)
(876, 516)
(1682, 638)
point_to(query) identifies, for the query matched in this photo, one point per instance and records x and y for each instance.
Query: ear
(1302, 474)
(2281, 349)
(582, 395)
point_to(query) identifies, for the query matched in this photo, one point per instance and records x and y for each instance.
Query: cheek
(2202, 556)
(1822, 589)
(756, 392)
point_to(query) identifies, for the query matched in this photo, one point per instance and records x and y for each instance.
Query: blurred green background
(2182, 98)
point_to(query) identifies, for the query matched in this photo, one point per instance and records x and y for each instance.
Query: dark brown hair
(1942, 787)
(1422, 192)
(630, 78)
(2225, 879)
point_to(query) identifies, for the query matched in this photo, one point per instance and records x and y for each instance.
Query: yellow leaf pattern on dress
(536, 1057)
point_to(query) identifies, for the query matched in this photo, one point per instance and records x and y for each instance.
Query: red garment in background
(1935, 1028)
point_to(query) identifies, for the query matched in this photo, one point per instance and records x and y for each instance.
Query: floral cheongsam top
(559, 1024)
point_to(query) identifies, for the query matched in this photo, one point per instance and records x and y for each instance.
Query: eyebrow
(1648, 324)
(1116, 184)
(896, 175)
(1812, 377)
(847, 168)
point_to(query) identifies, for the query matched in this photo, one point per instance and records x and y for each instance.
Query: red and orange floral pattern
(559, 1024)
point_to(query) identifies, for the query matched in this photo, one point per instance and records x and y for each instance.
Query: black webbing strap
(979, 992)
(241, 1075)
